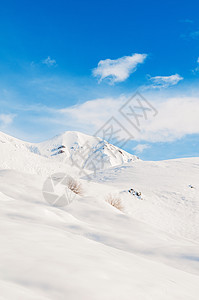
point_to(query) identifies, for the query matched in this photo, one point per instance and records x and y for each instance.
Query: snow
(43, 158)
(79, 145)
(89, 249)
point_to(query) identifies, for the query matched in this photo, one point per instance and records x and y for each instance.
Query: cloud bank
(176, 118)
(118, 70)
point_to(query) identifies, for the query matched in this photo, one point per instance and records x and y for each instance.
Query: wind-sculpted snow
(89, 249)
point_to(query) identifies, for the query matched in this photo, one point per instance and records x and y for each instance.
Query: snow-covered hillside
(90, 250)
(70, 148)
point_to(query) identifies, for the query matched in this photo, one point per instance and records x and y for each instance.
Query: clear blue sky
(49, 49)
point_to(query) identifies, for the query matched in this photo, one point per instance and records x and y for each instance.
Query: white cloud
(91, 115)
(118, 70)
(141, 147)
(49, 62)
(6, 119)
(176, 118)
(164, 81)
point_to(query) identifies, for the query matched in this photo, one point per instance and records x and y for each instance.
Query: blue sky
(70, 65)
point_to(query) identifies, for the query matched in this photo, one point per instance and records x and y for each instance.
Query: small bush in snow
(115, 201)
(74, 185)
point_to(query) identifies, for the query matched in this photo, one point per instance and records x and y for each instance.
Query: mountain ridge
(70, 147)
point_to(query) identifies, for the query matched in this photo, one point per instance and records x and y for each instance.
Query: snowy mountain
(90, 250)
(73, 145)
(86, 152)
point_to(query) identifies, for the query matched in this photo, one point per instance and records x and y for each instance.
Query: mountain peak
(72, 144)
(66, 148)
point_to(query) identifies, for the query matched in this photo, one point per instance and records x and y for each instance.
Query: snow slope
(43, 158)
(89, 250)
